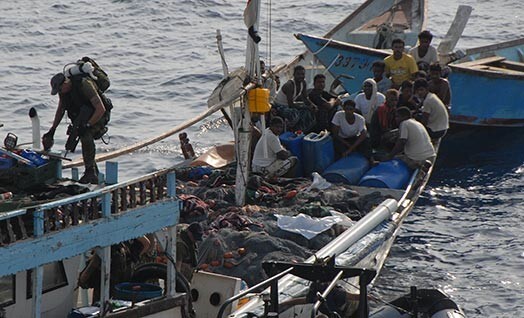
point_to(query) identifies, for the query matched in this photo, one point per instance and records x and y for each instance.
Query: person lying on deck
(293, 104)
(434, 113)
(413, 146)
(270, 158)
(349, 132)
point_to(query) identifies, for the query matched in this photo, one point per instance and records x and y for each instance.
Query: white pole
(244, 130)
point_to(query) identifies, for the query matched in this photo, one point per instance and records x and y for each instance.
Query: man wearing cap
(186, 249)
(73, 95)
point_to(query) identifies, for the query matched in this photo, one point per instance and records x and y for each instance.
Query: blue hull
(488, 86)
(485, 99)
(482, 95)
(344, 59)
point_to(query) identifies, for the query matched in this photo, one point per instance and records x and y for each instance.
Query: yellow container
(258, 100)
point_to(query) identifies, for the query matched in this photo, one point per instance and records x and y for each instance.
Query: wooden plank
(78, 239)
(498, 70)
(512, 65)
(486, 60)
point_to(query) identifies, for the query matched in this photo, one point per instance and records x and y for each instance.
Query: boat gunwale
(494, 47)
(488, 73)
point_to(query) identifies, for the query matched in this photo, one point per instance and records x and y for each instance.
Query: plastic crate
(27, 177)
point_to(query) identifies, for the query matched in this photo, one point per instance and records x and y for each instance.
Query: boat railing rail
(264, 284)
(95, 220)
(323, 271)
(80, 209)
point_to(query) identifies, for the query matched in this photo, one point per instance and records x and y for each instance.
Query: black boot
(90, 176)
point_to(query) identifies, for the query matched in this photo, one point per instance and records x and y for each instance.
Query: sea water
(465, 234)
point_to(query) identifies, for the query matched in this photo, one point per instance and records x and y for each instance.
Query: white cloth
(430, 57)
(368, 106)
(418, 144)
(348, 130)
(308, 226)
(438, 114)
(273, 147)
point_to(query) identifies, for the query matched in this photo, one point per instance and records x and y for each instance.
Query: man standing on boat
(325, 102)
(292, 103)
(75, 94)
(413, 146)
(434, 113)
(186, 250)
(270, 158)
(399, 65)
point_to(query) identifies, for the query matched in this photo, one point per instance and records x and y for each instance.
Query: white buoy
(35, 126)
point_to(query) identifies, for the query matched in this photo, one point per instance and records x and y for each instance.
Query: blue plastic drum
(347, 170)
(392, 174)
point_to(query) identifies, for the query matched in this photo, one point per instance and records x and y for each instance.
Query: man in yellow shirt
(400, 66)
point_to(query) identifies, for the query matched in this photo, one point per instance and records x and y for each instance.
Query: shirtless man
(292, 103)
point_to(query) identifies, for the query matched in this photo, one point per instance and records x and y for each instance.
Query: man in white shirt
(413, 146)
(434, 113)
(369, 100)
(349, 132)
(424, 51)
(270, 157)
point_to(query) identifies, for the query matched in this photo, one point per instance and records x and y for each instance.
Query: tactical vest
(75, 99)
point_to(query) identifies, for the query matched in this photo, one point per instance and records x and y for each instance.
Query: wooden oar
(184, 125)
(455, 30)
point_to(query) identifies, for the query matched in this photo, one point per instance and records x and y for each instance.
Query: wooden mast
(243, 118)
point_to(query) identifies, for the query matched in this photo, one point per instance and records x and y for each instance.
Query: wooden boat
(65, 228)
(487, 87)
(373, 24)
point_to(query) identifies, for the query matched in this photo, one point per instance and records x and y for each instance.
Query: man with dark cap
(74, 94)
(186, 249)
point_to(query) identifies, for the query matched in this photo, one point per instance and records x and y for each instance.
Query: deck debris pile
(283, 220)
